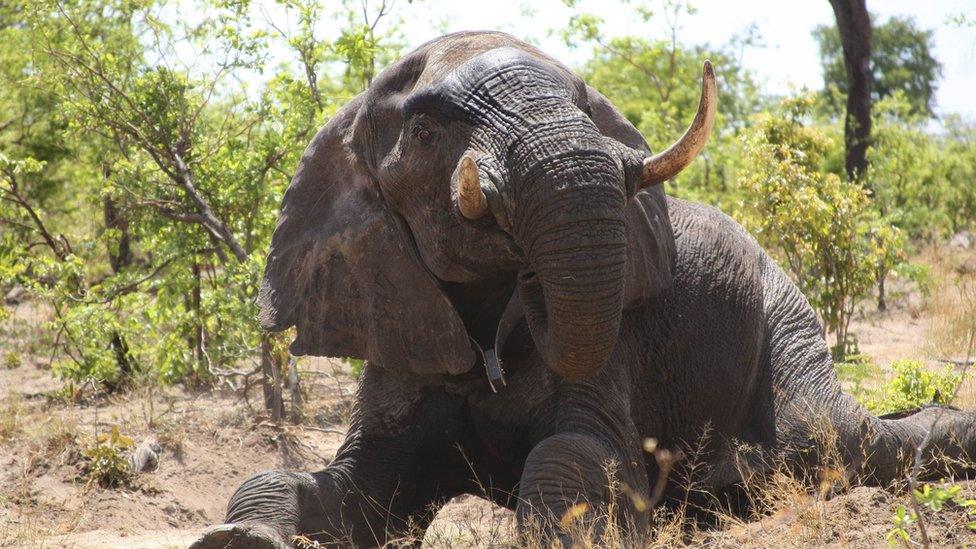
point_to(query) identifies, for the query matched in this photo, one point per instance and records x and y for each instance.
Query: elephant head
(474, 161)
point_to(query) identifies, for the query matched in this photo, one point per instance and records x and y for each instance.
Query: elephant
(491, 234)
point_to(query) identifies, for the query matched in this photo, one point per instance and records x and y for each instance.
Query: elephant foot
(239, 536)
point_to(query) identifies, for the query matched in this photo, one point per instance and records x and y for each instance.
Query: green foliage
(919, 179)
(11, 360)
(188, 128)
(913, 386)
(957, 193)
(901, 60)
(935, 499)
(356, 365)
(654, 83)
(819, 225)
(856, 369)
(118, 106)
(108, 462)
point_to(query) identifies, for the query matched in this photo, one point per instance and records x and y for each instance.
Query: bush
(11, 360)
(935, 498)
(821, 227)
(922, 181)
(138, 197)
(356, 366)
(913, 386)
(108, 465)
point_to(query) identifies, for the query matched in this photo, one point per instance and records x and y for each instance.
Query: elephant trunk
(577, 249)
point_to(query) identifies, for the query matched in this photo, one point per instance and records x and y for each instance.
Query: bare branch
(57, 245)
(211, 222)
(134, 285)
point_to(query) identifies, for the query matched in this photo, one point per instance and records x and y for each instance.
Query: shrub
(821, 227)
(108, 465)
(935, 498)
(11, 360)
(923, 181)
(913, 386)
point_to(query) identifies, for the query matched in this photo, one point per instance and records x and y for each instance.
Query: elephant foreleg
(586, 473)
(388, 479)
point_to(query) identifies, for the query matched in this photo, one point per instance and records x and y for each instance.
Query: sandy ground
(211, 441)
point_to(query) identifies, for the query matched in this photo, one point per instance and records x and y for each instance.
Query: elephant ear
(346, 274)
(650, 239)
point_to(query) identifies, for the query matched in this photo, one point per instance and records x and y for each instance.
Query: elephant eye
(422, 133)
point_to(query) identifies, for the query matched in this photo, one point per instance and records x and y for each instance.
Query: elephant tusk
(668, 163)
(471, 199)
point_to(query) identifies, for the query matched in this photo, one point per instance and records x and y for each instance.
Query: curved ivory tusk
(471, 200)
(667, 163)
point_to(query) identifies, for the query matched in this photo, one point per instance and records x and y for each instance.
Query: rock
(963, 240)
(966, 266)
(145, 457)
(16, 295)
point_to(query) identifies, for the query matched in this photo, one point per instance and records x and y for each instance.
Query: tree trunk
(882, 299)
(294, 385)
(271, 379)
(854, 26)
(196, 337)
(119, 257)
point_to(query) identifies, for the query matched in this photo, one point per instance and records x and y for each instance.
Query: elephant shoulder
(713, 248)
(704, 222)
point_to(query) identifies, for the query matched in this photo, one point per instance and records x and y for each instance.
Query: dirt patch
(211, 442)
(861, 517)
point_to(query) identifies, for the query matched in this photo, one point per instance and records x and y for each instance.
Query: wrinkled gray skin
(617, 315)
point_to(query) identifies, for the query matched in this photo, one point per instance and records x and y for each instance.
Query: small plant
(11, 360)
(10, 420)
(856, 369)
(108, 465)
(171, 436)
(68, 393)
(913, 386)
(935, 498)
(356, 366)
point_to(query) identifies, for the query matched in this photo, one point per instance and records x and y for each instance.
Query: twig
(14, 196)
(132, 286)
(957, 362)
(321, 430)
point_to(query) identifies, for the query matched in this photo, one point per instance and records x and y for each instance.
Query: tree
(901, 60)
(139, 179)
(655, 84)
(922, 180)
(854, 29)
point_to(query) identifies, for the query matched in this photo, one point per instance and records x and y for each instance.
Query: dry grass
(11, 412)
(951, 304)
(171, 436)
(785, 508)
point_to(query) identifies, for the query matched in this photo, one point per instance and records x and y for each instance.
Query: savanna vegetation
(145, 146)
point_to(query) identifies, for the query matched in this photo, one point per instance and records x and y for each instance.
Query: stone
(145, 457)
(16, 295)
(963, 240)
